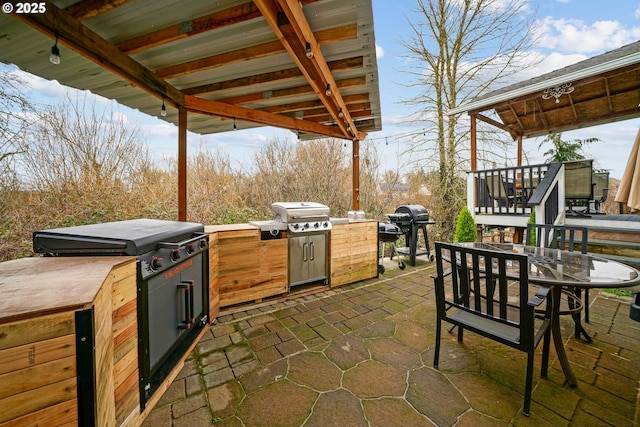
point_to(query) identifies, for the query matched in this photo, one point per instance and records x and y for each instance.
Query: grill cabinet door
(298, 257)
(317, 258)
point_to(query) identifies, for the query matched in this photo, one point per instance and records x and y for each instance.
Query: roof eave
(487, 103)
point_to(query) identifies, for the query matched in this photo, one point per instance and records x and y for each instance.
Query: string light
(54, 57)
(309, 51)
(163, 109)
(234, 124)
(328, 91)
(340, 113)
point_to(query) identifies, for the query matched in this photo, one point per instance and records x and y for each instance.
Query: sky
(571, 31)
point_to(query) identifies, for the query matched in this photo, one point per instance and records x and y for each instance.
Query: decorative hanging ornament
(557, 91)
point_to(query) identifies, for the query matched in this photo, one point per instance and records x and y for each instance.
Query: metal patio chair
(465, 298)
(570, 238)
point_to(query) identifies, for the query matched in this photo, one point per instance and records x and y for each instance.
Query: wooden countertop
(228, 227)
(32, 286)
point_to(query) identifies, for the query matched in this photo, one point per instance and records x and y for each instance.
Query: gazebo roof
(238, 63)
(599, 90)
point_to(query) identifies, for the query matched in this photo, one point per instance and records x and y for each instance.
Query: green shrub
(532, 220)
(465, 226)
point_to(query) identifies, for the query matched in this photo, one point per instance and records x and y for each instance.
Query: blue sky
(571, 31)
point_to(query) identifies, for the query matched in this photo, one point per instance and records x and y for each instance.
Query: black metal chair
(569, 238)
(469, 298)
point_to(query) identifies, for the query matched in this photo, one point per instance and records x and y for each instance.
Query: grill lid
(416, 212)
(132, 237)
(299, 211)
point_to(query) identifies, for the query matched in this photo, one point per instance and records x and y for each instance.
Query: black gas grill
(389, 233)
(411, 219)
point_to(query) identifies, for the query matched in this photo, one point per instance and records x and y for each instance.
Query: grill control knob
(190, 248)
(296, 226)
(326, 224)
(203, 243)
(316, 225)
(306, 225)
(156, 263)
(175, 254)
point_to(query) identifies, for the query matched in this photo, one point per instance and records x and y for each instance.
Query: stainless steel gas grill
(172, 284)
(411, 219)
(308, 227)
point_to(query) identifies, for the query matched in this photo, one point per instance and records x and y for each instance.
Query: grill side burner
(172, 283)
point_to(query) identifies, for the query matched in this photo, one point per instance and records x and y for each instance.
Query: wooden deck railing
(509, 194)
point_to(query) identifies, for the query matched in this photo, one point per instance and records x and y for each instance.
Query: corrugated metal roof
(226, 46)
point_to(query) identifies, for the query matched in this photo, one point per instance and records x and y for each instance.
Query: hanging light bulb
(328, 91)
(54, 57)
(234, 124)
(348, 128)
(309, 51)
(340, 113)
(163, 109)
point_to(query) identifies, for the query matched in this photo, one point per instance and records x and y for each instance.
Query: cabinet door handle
(313, 250)
(304, 252)
(189, 316)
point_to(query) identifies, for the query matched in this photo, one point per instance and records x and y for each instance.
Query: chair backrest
(577, 180)
(475, 283)
(497, 188)
(568, 237)
(600, 185)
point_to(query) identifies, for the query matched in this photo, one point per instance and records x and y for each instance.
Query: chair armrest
(539, 297)
(446, 273)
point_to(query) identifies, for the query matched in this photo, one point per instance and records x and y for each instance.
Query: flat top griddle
(131, 237)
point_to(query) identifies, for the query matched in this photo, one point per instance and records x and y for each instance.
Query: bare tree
(316, 170)
(461, 49)
(16, 113)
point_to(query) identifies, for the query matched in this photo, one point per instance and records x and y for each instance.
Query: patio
(362, 355)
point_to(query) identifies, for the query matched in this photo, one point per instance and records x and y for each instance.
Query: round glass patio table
(558, 268)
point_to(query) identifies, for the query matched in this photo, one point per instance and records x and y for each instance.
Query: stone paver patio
(362, 355)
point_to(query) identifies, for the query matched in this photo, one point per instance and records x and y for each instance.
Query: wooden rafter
(233, 15)
(91, 8)
(304, 105)
(293, 91)
(221, 109)
(275, 76)
(252, 52)
(87, 43)
(292, 29)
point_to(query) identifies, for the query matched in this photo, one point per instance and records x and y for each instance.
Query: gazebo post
(182, 163)
(355, 203)
(519, 150)
(474, 154)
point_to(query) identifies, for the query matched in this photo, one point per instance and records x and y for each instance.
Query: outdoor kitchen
(127, 301)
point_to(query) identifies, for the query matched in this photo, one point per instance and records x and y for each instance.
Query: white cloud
(573, 35)
(379, 51)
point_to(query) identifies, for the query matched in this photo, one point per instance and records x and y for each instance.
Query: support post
(519, 150)
(474, 154)
(355, 204)
(182, 164)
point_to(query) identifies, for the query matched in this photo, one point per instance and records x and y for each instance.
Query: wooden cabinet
(353, 252)
(248, 267)
(68, 341)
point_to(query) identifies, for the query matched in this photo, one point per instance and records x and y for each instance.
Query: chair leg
(546, 344)
(528, 384)
(460, 331)
(586, 305)
(436, 353)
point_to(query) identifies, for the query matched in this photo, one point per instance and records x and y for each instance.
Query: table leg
(557, 337)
